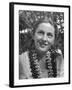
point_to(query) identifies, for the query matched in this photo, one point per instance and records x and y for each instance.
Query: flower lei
(35, 68)
(50, 64)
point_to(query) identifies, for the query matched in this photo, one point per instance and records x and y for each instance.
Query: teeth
(44, 43)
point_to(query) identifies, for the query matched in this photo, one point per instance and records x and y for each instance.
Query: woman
(43, 59)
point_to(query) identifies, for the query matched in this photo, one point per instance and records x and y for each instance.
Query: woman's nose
(45, 37)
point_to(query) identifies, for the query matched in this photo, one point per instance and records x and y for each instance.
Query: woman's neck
(40, 54)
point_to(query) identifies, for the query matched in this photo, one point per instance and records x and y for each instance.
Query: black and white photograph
(40, 44)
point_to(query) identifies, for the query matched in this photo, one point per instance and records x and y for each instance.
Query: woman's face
(44, 37)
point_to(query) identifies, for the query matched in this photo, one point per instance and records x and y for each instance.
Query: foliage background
(26, 23)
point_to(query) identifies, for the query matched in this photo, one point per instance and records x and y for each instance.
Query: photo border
(11, 42)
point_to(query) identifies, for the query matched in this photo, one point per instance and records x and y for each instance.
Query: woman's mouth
(43, 44)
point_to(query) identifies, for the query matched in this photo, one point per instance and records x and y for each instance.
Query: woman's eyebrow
(40, 31)
(49, 33)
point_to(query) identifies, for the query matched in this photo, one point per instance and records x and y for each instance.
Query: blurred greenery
(27, 20)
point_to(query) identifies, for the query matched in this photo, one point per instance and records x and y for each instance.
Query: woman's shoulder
(23, 56)
(24, 63)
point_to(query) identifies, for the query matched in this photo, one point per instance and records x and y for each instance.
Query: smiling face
(44, 37)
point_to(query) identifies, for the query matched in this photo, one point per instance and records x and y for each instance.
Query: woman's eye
(49, 35)
(41, 32)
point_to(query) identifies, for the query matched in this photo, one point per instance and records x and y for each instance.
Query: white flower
(58, 26)
(59, 51)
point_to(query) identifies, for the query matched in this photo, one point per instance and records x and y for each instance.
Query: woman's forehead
(46, 27)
